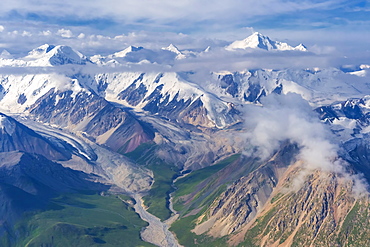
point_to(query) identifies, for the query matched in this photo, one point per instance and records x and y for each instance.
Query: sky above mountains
(92, 26)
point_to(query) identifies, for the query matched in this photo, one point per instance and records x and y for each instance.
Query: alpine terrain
(147, 147)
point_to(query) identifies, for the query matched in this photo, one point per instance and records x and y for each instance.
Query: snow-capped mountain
(5, 54)
(174, 49)
(136, 55)
(50, 55)
(169, 95)
(259, 41)
(46, 56)
(124, 52)
(317, 86)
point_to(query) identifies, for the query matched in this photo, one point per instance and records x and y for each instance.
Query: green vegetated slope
(204, 185)
(195, 193)
(158, 196)
(80, 220)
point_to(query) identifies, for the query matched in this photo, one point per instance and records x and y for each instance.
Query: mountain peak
(5, 54)
(300, 47)
(258, 34)
(40, 51)
(51, 55)
(172, 48)
(260, 41)
(66, 55)
(129, 49)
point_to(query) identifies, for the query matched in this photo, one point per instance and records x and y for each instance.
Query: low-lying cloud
(290, 118)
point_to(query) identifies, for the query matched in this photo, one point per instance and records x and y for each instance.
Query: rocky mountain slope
(17, 137)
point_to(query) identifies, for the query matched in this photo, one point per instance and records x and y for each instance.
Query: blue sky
(96, 26)
(187, 16)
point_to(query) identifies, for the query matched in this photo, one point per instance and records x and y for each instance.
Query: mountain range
(258, 157)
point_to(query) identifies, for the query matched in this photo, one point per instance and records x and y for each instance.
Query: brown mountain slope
(280, 206)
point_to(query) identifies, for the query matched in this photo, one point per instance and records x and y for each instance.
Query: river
(157, 232)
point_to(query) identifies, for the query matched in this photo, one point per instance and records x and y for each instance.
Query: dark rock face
(134, 94)
(327, 113)
(22, 99)
(2, 92)
(250, 90)
(228, 83)
(21, 138)
(93, 115)
(359, 155)
(350, 109)
(278, 89)
(254, 93)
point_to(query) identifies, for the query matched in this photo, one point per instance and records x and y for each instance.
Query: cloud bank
(290, 118)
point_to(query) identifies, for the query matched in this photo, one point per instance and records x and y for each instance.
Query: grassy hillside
(80, 220)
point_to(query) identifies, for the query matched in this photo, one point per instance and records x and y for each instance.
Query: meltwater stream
(157, 232)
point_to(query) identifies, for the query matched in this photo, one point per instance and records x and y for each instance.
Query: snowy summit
(50, 55)
(259, 41)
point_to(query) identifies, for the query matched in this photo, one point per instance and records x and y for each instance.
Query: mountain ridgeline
(203, 149)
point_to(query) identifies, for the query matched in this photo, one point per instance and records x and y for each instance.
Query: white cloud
(81, 36)
(2, 28)
(290, 118)
(26, 34)
(46, 33)
(65, 33)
